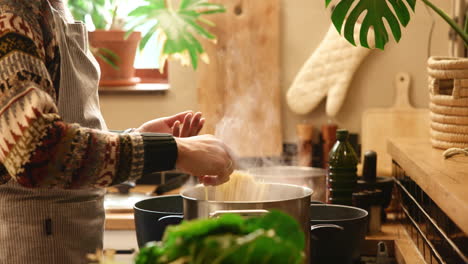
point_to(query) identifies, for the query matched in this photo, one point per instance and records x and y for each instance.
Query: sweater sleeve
(37, 148)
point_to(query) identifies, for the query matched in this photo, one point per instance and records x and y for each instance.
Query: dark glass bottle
(342, 170)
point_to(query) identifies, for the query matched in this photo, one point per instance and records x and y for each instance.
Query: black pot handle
(315, 234)
(332, 226)
(170, 220)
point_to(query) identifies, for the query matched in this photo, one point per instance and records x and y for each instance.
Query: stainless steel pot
(314, 178)
(291, 199)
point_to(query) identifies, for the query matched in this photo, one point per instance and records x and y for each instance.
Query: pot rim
(198, 186)
(363, 217)
(318, 172)
(154, 211)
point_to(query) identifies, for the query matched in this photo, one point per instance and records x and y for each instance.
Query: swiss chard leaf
(284, 226)
(258, 247)
(347, 12)
(275, 238)
(176, 238)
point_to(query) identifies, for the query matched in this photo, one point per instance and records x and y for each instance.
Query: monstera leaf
(177, 29)
(347, 12)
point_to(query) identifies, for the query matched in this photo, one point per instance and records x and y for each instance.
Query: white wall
(304, 22)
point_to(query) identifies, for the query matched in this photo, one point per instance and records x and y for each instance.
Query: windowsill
(142, 88)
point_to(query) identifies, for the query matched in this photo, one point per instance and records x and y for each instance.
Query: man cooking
(57, 155)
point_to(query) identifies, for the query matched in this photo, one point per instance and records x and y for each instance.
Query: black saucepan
(337, 232)
(153, 215)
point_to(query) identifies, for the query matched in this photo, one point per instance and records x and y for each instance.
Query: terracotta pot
(448, 88)
(125, 49)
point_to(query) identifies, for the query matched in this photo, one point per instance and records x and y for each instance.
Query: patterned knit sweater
(39, 149)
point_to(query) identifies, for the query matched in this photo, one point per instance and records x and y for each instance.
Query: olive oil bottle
(342, 170)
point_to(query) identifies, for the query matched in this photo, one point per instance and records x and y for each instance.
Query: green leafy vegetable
(176, 28)
(273, 238)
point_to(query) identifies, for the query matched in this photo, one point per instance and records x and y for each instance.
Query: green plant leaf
(179, 27)
(394, 12)
(147, 36)
(107, 56)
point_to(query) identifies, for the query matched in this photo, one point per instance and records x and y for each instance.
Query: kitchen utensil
(329, 139)
(172, 184)
(313, 178)
(337, 232)
(382, 183)
(153, 215)
(382, 254)
(400, 120)
(305, 137)
(124, 187)
(239, 91)
(291, 199)
(371, 201)
(370, 181)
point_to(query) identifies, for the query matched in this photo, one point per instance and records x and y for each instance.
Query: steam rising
(250, 125)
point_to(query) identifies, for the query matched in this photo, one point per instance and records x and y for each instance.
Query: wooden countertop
(444, 180)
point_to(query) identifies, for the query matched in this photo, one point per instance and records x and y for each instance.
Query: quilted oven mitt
(328, 72)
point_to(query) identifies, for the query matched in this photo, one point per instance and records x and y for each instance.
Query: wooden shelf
(142, 88)
(444, 180)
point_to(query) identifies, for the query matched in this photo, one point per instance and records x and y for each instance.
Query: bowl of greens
(274, 238)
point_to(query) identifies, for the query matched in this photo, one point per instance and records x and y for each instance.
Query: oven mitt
(328, 72)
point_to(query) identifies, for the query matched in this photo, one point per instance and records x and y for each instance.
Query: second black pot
(153, 215)
(337, 232)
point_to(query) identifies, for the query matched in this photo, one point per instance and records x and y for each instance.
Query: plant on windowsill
(175, 28)
(448, 76)
(114, 51)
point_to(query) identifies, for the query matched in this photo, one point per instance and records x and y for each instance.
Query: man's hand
(205, 157)
(185, 124)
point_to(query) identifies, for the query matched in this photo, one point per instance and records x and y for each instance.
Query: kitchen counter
(444, 180)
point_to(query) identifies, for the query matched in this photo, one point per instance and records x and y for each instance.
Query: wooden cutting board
(239, 90)
(400, 120)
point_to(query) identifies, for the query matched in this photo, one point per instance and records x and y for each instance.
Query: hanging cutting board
(239, 90)
(400, 120)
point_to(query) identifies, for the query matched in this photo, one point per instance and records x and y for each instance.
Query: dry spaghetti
(242, 186)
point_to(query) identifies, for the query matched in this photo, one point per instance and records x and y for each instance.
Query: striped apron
(58, 226)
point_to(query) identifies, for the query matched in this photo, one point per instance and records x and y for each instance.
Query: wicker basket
(448, 88)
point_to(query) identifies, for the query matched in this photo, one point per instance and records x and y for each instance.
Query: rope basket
(448, 89)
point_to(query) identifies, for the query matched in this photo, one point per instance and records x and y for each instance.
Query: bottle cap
(342, 134)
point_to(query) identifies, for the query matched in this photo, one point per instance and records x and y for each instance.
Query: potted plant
(115, 40)
(114, 51)
(448, 76)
